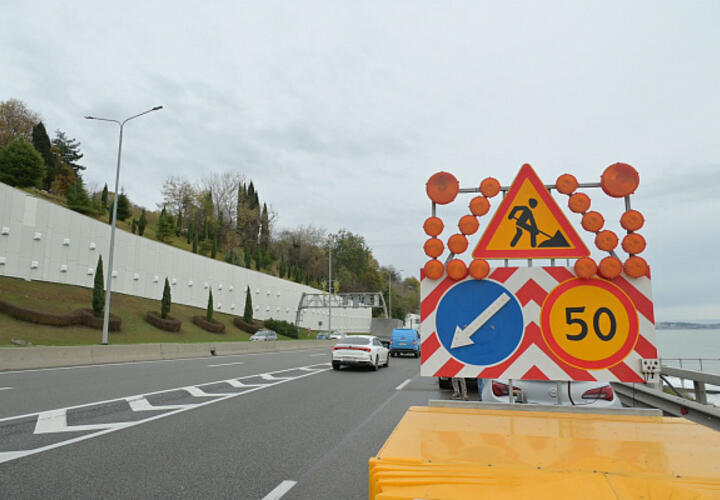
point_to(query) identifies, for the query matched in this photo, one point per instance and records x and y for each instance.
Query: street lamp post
(106, 320)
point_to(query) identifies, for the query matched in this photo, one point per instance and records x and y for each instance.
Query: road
(285, 423)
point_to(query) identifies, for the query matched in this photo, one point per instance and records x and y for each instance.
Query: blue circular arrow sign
(479, 322)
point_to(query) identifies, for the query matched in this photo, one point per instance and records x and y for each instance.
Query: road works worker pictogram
(529, 224)
(526, 222)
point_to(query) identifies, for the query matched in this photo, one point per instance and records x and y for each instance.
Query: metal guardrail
(696, 410)
(699, 379)
(640, 395)
(701, 364)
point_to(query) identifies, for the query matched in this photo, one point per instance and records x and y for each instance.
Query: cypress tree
(213, 250)
(41, 142)
(98, 301)
(258, 257)
(206, 230)
(195, 244)
(248, 313)
(209, 313)
(166, 301)
(134, 226)
(246, 256)
(190, 234)
(179, 227)
(265, 228)
(142, 223)
(104, 198)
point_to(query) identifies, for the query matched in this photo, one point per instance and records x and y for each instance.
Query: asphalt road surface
(275, 425)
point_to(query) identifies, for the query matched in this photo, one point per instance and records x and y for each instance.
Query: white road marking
(280, 490)
(56, 420)
(228, 364)
(237, 383)
(52, 421)
(5, 388)
(199, 393)
(402, 386)
(272, 378)
(321, 354)
(139, 403)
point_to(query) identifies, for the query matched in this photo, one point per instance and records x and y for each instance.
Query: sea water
(690, 345)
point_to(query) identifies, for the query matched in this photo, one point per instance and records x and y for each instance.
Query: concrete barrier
(21, 358)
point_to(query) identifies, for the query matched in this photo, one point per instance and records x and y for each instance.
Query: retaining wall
(19, 358)
(42, 241)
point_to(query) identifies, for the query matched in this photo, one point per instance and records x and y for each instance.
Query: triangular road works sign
(528, 224)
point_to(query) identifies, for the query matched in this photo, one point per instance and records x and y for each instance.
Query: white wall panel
(25, 215)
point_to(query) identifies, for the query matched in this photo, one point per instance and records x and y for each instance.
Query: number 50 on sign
(589, 323)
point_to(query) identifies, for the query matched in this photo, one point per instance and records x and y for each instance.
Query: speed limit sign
(589, 323)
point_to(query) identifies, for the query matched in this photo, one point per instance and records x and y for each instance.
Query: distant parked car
(405, 340)
(264, 335)
(322, 336)
(545, 392)
(336, 335)
(365, 350)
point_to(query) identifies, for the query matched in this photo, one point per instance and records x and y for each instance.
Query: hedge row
(168, 324)
(282, 327)
(246, 327)
(213, 326)
(79, 317)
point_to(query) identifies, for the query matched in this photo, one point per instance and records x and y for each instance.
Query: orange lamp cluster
(619, 180)
(442, 188)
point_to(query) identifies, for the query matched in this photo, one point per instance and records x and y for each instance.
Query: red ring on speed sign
(595, 364)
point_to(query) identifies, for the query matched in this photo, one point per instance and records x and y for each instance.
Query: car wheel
(374, 366)
(336, 366)
(444, 383)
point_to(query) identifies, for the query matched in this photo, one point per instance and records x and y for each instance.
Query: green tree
(21, 165)
(16, 121)
(248, 313)
(104, 198)
(123, 207)
(69, 150)
(133, 226)
(209, 313)
(41, 142)
(195, 244)
(165, 227)
(265, 228)
(179, 226)
(78, 198)
(166, 301)
(246, 256)
(142, 223)
(98, 301)
(213, 249)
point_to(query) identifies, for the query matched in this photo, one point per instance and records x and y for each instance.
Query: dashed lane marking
(50, 426)
(227, 364)
(5, 388)
(280, 490)
(402, 386)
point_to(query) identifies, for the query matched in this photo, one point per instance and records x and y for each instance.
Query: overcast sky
(340, 111)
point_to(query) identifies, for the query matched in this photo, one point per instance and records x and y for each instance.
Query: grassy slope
(58, 298)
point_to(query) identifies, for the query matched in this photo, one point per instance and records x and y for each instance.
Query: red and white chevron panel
(533, 360)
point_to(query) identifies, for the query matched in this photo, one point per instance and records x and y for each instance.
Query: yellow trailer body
(467, 453)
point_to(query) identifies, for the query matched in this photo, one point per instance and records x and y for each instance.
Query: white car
(264, 335)
(365, 350)
(336, 335)
(545, 393)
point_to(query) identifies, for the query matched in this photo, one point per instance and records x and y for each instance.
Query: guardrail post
(700, 393)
